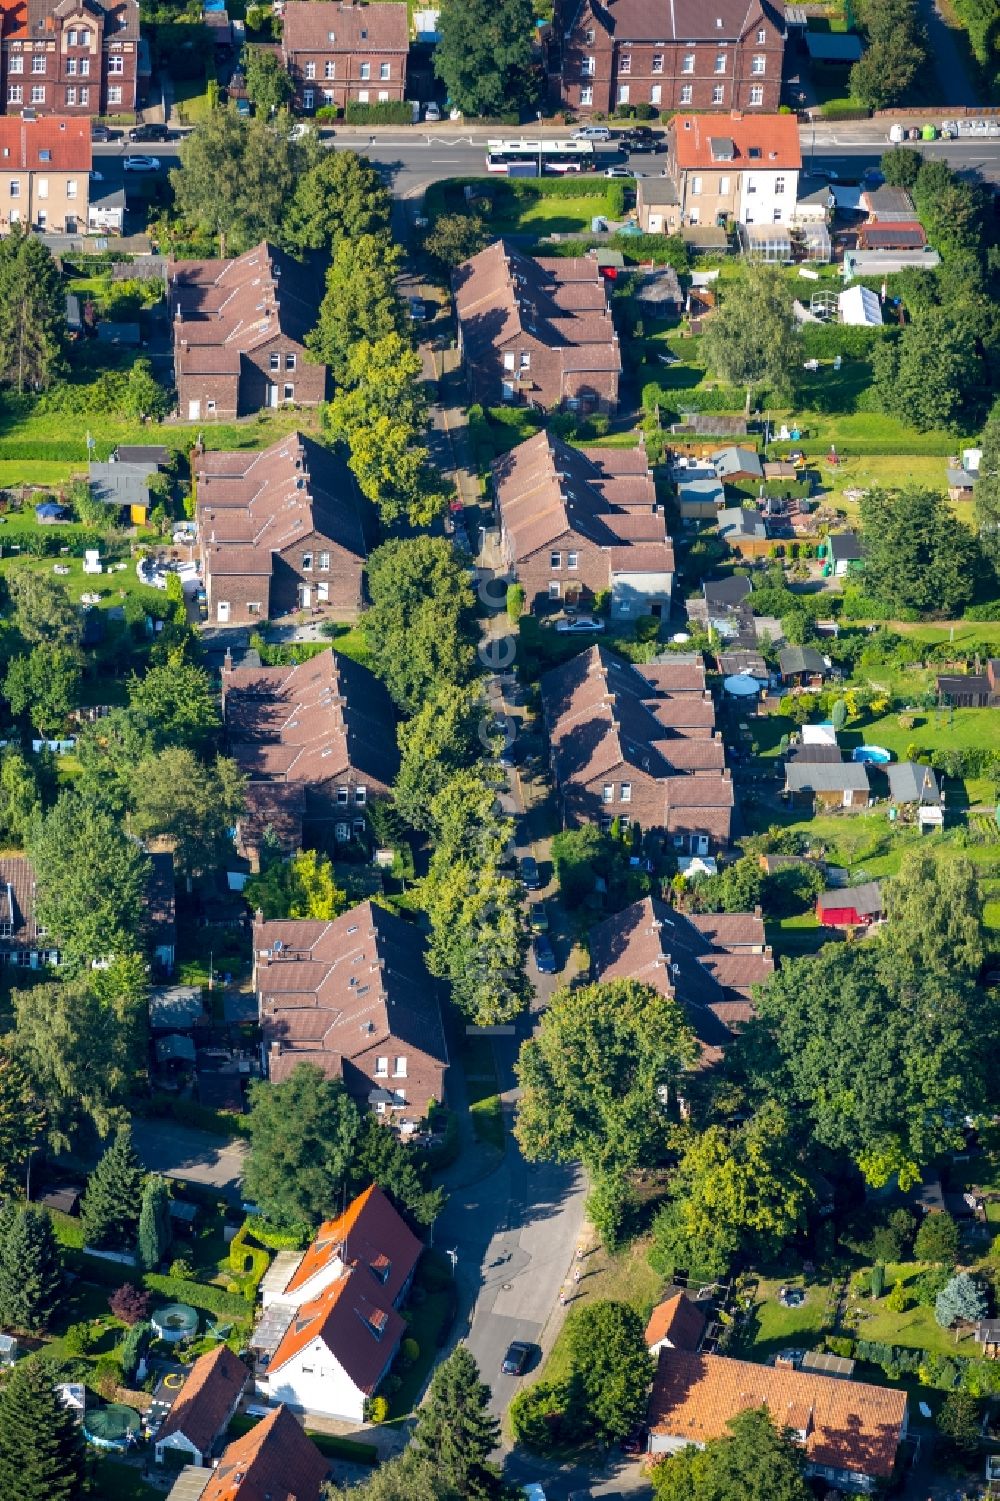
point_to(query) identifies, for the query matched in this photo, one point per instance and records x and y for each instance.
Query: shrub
(388, 112)
(410, 1351)
(249, 1263)
(107, 1376)
(181, 1269)
(960, 1298)
(840, 1344)
(538, 1415)
(80, 1339)
(377, 1409)
(926, 1287)
(937, 1240)
(515, 602)
(328, 112)
(877, 1280)
(616, 200)
(899, 1299)
(129, 1304)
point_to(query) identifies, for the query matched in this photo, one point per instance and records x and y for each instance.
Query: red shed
(850, 906)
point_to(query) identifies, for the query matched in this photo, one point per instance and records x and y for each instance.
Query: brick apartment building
(670, 54)
(45, 173)
(536, 331)
(239, 334)
(281, 529)
(353, 996)
(575, 523)
(339, 52)
(317, 743)
(638, 744)
(76, 57)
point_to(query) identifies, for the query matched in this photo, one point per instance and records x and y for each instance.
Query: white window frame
(16, 64)
(310, 71)
(365, 72)
(687, 93)
(572, 560)
(719, 93)
(586, 95)
(608, 792)
(720, 62)
(555, 560)
(555, 589)
(625, 792)
(38, 93)
(329, 69)
(307, 562)
(657, 62)
(384, 71)
(625, 63)
(623, 93)
(758, 66)
(114, 93)
(756, 95)
(687, 66)
(656, 94)
(37, 63)
(399, 1067)
(382, 1067)
(116, 63)
(289, 391)
(308, 97)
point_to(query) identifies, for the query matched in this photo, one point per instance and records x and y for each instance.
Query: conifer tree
(31, 1272)
(110, 1207)
(154, 1224)
(455, 1434)
(42, 1453)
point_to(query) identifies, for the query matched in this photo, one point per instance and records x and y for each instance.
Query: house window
(329, 70)
(70, 67)
(253, 608)
(656, 94)
(718, 94)
(71, 38)
(85, 67)
(361, 796)
(15, 188)
(381, 1068)
(307, 561)
(720, 63)
(116, 64)
(658, 62)
(687, 66)
(586, 95)
(723, 186)
(114, 93)
(327, 96)
(343, 794)
(757, 94)
(71, 95)
(761, 37)
(275, 360)
(14, 93)
(342, 832)
(686, 93)
(210, 405)
(555, 559)
(572, 560)
(588, 67)
(310, 70)
(38, 63)
(751, 185)
(758, 65)
(366, 71)
(6, 930)
(626, 792)
(16, 64)
(694, 216)
(289, 393)
(777, 216)
(399, 1068)
(38, 93)
(590, 37)
(43, 187)
(359, 828)
(71, 187)
(384, 71)
(623, 93)
(553, 588)
(696, 186)
(289, 362)
(625, 65)
(608, 795)
(508, 362)
(307, 98)
(84, 96)
(324, 562)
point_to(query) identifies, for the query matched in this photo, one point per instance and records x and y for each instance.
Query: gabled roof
(845, 547)
(746, 142)
(679, 1321)
(865, 900)
(205, 1402)
(848, 1425)
(55, 143)
(335, 27)
(368, 1234)
(795, 659)
(910, 783)
(275, 1461)
(17, 901)
(737, 460)
(547, 491)
(334, 990)
(685, 20)
(844, 776)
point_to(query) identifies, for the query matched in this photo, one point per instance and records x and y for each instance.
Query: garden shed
(850, 906)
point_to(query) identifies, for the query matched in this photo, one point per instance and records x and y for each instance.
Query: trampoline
(112, 1427)
(175, 1322)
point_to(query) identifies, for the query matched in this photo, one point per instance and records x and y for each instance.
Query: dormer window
(377, 1321)
(381, 1268)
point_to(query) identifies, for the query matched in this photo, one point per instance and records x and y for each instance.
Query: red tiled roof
(850, 1425)
(275, 1461)
(679, 1321)
(66, 141)
(333, 27)
(205, 1402)
(760, 143)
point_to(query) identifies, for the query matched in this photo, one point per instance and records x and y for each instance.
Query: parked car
(141, 133)
(592, 133)
(644, 143)
(417, 309)
(634, 1442)
(545, 959)
(432, 112)
(515, 1362)
(539, 918)
(100, 132)
(619, 172)
(243, 108)
(142, 164)
(529, 873)
(641, 133)
(579, 623)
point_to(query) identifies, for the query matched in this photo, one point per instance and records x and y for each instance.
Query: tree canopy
(32, 312)
(485, 54)
(419, 628)
(304, 886)
(361, 301)
(302, 1133)
(611, 1369)
(752, 339)
(268, 82)
(754, 1462)
(176, 795)
(440, 740)
(930, 372)
(340, 197)
(986, 492)
(455, 1434)
(918, 556)
(42, 1447)
(110, 1207)
(894, 54)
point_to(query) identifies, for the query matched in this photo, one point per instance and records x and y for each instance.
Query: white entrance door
(272, 396)
(223, 612)
(305, 596)
(194, 411)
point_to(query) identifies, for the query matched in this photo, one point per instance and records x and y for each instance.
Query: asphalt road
(198, 1156)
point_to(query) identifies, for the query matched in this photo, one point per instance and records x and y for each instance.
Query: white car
(142, 164)
(592, 133)
(620, 172)
(579, 623)
(432, 113)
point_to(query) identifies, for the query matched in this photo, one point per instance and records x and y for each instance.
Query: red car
(634, 1443)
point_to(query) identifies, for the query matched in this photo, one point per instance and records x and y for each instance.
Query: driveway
(216, 1162)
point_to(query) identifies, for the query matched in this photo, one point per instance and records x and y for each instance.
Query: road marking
(445, 161)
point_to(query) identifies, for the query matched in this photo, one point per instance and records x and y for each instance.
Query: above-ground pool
(112, 1427)
(175, 1322)
(874, 755)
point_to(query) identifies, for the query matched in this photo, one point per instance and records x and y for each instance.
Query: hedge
(242, 1252)
(824, 340)
(202, 1295)
(844, 109)
(388, 112)
(50, 449)
(573, 185)
(202, 1117)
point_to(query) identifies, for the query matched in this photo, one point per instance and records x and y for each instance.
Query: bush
(388, 112)
(181, 1269)
(129, 1304)
(926, 1287)
(80, 1339)
(937, 1240)
(377, 1409)
(844, 109)
(248, 1262)
(840, 1344)
(877, 1281)
(616, 200)
(327, 112)
(410, 1351)
(107, 1376)
(538, 1415)
(899, 1299)
(515, 602)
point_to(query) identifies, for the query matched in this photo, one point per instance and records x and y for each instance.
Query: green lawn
(122, 1482)
(426, 1323)
(917, 1329)
(483, 1087)
(548, 216)
(623, 1277)
(773, 1327)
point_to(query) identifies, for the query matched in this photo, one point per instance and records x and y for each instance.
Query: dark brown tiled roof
(685, 20)
(275, 1461)
(850, 1425)
(120, 17)
(17, 903)
(333, 27)
(161, 906)
(203, 1405)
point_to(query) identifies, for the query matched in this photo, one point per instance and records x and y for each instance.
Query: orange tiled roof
(763, 143)
(330, 1240)
(275, 1461)
(850, 1425)
(204, 1403)
(677, 1320)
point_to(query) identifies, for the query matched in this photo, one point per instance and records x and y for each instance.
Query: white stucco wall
(315, 1381)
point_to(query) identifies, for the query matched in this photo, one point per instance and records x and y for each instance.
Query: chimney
(758, 911)
(227, 661)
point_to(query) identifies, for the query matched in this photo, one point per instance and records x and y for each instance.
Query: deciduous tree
(937, 1239)
(110, 1207)
(302, 1136)
(934, 918)
(380, 1157)
(752, 339)
(918, 556)
(21, 792)
(929, 373)
(479, 937)
(611, 1368)
(43, 610)
(448, 733)
(341, 197)
(754, 1462)
(986, 492)
(45, 685)
(237, 176)
(485, 54)
(177, 703)
(22, 1118)
(304, 886)
(900, 166)
(177, 796)
(420, 625)
(361, 300)
(269, 83)
(42, 1448)
(960, 1420)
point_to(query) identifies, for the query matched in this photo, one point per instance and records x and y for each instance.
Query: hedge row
(71, 451)
(844, 109)
(248, 1261)
(824, 340)
(573, 185)
(202, 1295)
(191, 1113)
(388, 112)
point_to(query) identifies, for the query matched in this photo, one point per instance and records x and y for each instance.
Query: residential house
(279, 530)
(201, 1411)
(275, 1461)
(850, 906)
(575, 523)
(685, 54)
(845, 552)
(657, 205)
(107, 207)
(239, 334)
(353, 996)
(45, 171)
(707, 962)
(638, 742)
(743, 169)
(536, 331)
(910, 783)
(22, 941)
(176, 1008)
(848, 1431)
(325, 729)
(802, 666)
(827, 784)
(738, 466)
(744, 529)
(328, 1337)
(161, 910)
(338, 52)
(79, 57)
(675, 1324)
(960, 483)
(971, 690)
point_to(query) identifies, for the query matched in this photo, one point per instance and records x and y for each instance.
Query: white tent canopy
(860, 306)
